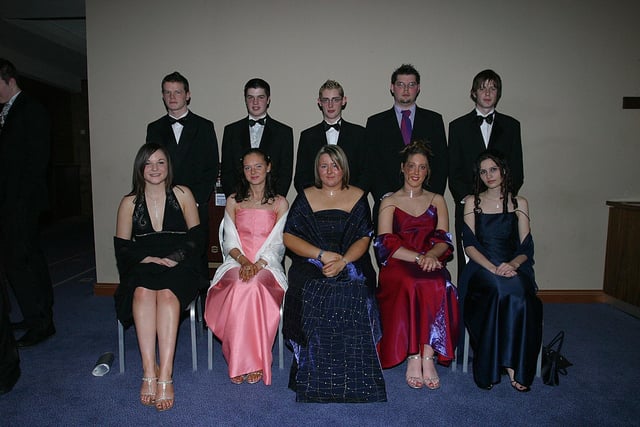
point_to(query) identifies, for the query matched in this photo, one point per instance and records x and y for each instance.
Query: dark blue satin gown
(503, 314)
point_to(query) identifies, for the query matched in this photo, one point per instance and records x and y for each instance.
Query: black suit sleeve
(283, 161)
(24, 149)
(457, 168)
(440, 160)
(230, 159)
(205, 179)
(352, 141)
(303, 176)
(515, 159)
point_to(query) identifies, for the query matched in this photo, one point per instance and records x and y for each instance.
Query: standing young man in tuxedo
(332, 130)
(192, 145)
(483, 128)
(190, 140)
(389, 131)
(24, 158)
(257, 130)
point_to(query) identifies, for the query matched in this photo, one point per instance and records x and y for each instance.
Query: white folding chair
(192, 307)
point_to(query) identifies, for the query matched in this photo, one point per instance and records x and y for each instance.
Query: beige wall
(565, 68)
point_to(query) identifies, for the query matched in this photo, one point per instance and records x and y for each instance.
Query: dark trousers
(25, 266)
(9, 359)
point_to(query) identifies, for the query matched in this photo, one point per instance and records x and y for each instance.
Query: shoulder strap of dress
(431, 201)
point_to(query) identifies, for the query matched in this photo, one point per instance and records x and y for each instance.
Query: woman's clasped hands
(333, 264)
(506, 269)
(428, 262)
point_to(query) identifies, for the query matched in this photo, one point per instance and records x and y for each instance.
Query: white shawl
(272, 250)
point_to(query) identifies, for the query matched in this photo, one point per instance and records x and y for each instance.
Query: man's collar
(180, 117)
(399, 108)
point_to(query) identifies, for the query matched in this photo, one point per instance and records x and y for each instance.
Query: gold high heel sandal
(432, 383)
(162, 396)
(414, 382)
(148, 395)
(254, 377)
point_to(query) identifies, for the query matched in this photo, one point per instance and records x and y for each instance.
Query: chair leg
(121, 346)
(194, 349)
(539, 364)
(465, 358)
(280, 343)
(209, 349)
(454, 362)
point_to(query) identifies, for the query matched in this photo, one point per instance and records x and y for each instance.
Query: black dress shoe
(6, 384)
(35, 336)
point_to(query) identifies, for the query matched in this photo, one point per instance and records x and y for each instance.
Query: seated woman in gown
(330, 313)
(243, 302)
(418, 303)
(158, 244)
(501, 309)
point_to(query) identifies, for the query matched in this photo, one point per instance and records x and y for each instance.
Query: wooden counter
(622, 260)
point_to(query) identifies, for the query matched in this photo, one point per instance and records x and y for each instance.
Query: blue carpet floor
(57, 388)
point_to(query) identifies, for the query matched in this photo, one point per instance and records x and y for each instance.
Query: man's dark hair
(257, 83)
(405, 69)
(481, 78)
(176, 77)
(7, 70)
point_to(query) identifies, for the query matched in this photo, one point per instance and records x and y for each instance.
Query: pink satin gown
(245, 315)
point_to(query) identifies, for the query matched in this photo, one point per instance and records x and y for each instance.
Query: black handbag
(553, 362)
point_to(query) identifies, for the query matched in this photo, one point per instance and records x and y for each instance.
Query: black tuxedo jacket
(466, 143)
(25, 143)
(384, 143)
(350, 139)
(195, 158)
(277, 142)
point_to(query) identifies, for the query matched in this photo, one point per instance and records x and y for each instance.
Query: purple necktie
(405, 126)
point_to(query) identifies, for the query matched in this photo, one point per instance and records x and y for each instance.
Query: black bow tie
(261, 122)
(488, 119)
(173, 121)
(327, 126)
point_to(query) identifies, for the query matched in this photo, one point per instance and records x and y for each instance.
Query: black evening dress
(503, 314)
(173, 241)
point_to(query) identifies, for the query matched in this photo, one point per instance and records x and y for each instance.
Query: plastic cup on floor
(103, 365)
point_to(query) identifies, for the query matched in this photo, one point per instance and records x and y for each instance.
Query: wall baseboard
(104, 289)
(547, 296)
(568, 296)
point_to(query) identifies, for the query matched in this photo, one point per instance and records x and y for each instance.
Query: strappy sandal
(414, 382)
(432, 383)
(148, 391)
(515, 384)
(162, 396)
(239, 379)
(519, 387)
(254, 377)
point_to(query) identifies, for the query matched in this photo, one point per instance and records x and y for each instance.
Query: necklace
(330, 193)
(156, 212)
(497, 201)
(254, 199)
(413, 194)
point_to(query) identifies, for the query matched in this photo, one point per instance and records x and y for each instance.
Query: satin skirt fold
(504, 318)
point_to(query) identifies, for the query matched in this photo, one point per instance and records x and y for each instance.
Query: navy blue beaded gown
(332, 323)
(503, 314)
